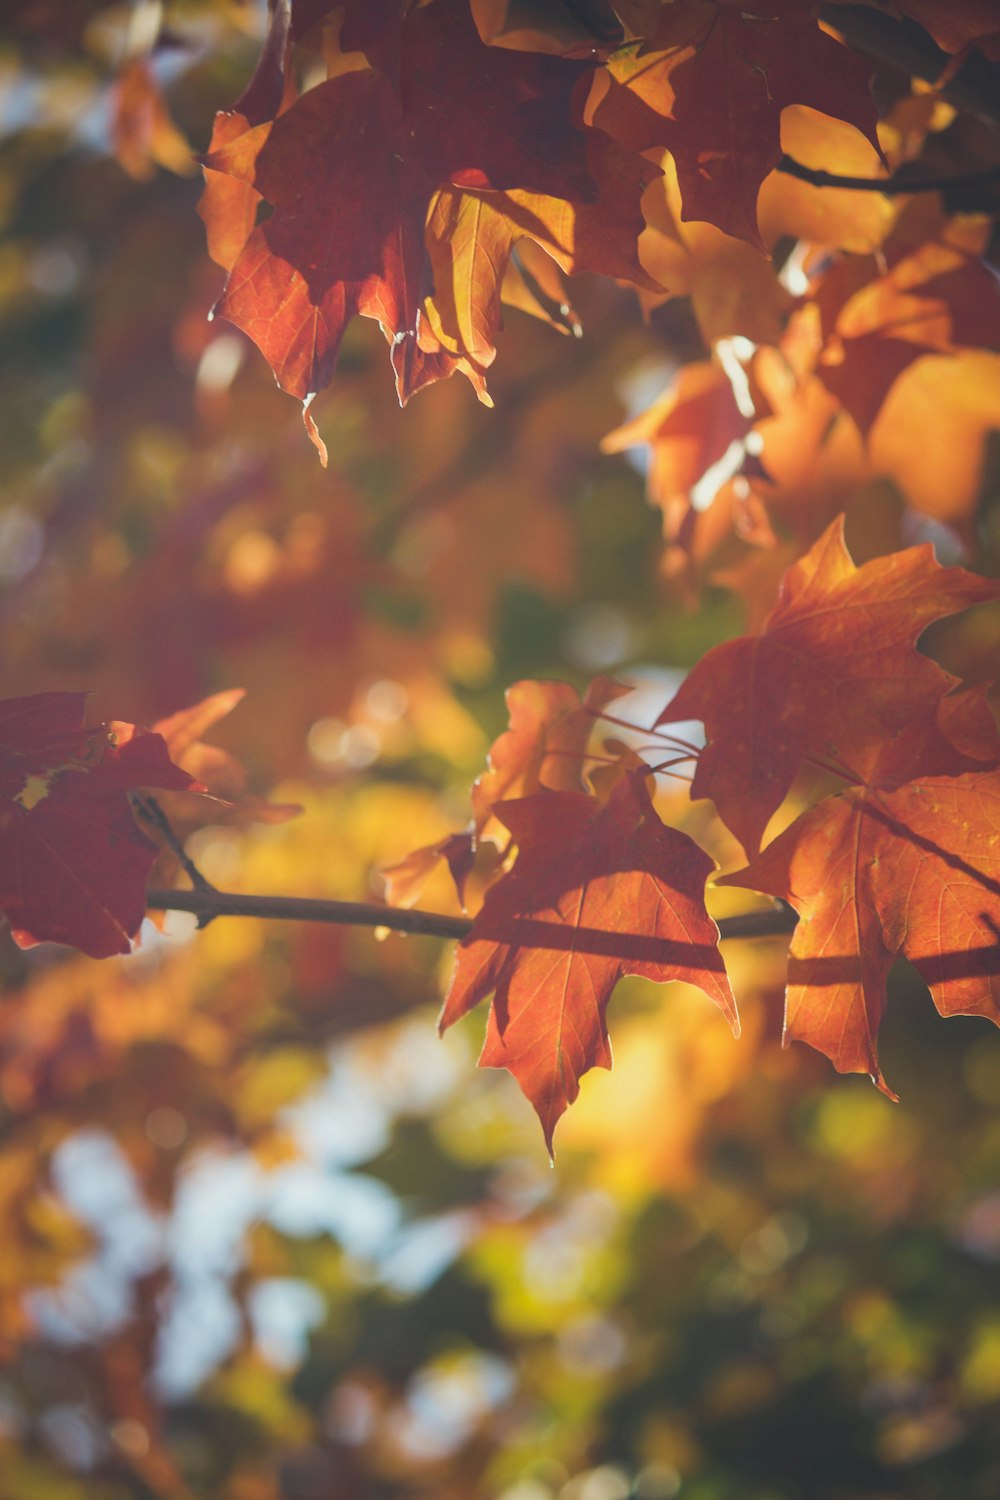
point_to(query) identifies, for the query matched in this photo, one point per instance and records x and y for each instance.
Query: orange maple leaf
(545, 744)
(834, 674)
(937, 298)
(688, 429)
(219, 772)
(471, 237)
(598, 890)
(543, 747)
(877, 872)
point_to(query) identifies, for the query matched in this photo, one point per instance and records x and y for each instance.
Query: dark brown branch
(890, 187)
(150, 810)
(208, 903)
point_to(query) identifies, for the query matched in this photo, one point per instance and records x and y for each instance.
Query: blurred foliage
(264, 1236)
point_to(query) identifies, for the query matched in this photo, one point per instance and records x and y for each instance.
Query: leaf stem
(642, 729)
(833, 767)
(663, 767)
(149, 809)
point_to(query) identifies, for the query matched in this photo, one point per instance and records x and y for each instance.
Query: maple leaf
(938, 298)
(733, 289)
(833, 674)
(689, 428)
(73, 861)
(710, 85)
(850, 219)
(535, 284)
(874, 873)
(958, 398)
(216, 771)
(598, 890)
(142, 129)
(812, 454)
(350, 169)
(405, 880)
(470, 238)
(228, 206)
(545, 745)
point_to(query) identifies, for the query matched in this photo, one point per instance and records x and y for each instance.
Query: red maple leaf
(834, 674)
(598, 890)
(350, 169)
(877, 872)
(73, 861)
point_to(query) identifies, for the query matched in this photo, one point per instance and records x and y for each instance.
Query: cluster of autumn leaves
(456, 158)
(897, 851)
(422, 165)
(903, 858)
(442, 138)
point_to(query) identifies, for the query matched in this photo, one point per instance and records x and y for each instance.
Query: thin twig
(150, 809)
(598, 713)
(147, 807)
(889, 186)
(208, 903)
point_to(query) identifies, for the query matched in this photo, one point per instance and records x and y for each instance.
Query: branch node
(149, 809)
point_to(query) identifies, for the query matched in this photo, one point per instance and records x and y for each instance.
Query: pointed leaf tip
(599, 890)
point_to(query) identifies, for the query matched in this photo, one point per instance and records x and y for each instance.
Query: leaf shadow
(947, 856)
(625, 947)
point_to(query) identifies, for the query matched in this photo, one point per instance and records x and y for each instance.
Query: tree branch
(206, 904)
(150, 810)
(975, 88)
(890, 187)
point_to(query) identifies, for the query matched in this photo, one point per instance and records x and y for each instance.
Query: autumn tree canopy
(677, 630)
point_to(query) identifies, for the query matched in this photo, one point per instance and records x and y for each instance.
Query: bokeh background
(263, 1236)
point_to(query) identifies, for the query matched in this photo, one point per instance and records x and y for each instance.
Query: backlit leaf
(874, 873)
(598, 891)
(834, 674)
